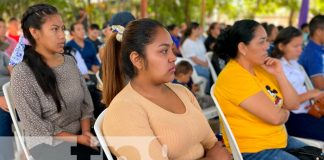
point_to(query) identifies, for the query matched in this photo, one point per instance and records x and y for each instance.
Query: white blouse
(296, 77)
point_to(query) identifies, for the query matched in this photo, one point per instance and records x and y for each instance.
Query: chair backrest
(102, 141)
(100, 84)
(7, 94)
(308, 82)
(210, 65)
(231, 139)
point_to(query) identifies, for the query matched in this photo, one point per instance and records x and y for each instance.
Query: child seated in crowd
(183, 76)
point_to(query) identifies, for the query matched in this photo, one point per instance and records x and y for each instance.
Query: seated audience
(7, 44)
(213, 32)
(182, 75)
(49, 93)
(85, 47)
(13, 28)
(288, 47)
(93, 36)
(254, 94)
(312, 58)
(6, 135)
(194, 49)
(175, 32)
(151, 118)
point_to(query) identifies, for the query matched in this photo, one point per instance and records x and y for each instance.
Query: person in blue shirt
(312, 58)
(86, 48)
(174, 32)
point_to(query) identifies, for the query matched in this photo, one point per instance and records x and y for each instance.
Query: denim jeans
(275, 154)
(204, 72)
(6, 136)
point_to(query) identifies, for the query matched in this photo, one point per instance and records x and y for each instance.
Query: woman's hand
(318, 95)
(88, 139)
(273, 66)
(218, 152)
(3, 104)
(195, 88)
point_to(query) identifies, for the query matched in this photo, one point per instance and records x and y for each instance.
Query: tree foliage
(166, 11)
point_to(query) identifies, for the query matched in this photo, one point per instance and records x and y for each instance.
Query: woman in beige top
(151, 118)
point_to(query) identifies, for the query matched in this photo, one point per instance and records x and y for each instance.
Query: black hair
(304, 25)
(227, 42)
(317, 22)
(188, 31)
(72, 27)
(280, 27)
(116, 63)
(94, 27)
(35, 17)
(211, 27)
(284, 37)
(269, 29)
(171, 27)
(13, 19)
(183, 67)
(2, 20)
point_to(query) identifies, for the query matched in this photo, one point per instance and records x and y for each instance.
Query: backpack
(307, 153)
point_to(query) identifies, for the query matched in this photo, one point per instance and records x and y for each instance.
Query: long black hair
(35, 17)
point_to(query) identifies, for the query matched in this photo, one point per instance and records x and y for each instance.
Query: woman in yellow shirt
(150, 118)
(254, 93)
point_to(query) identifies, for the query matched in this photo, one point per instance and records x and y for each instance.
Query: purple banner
(303, 13)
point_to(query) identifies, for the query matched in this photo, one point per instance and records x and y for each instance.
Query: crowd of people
(270, 79)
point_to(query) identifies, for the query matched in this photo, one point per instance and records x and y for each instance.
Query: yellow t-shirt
(234, 85)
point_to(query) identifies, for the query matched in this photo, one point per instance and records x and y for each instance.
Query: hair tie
(119, 30)
(18, 53)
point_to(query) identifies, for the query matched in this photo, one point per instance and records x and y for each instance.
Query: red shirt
(16, 38)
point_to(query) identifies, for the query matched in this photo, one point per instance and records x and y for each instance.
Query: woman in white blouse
(288, 47)
(193, 48)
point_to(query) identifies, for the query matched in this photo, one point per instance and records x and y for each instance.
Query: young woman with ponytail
(151, 118)
(49, 92)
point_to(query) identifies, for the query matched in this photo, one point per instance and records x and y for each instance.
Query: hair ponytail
(45, 76)
(112, 75)
(116, 64)
(227, 42)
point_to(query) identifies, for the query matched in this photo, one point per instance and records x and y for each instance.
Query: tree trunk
(203, 11)
(291, 17)
(187, 11)
(143, 8)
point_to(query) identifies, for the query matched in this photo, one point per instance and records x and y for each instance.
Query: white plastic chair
(231, 139)
(311, 142)
(309, 86)
(7, 94)
(100, 84)
(211, 67)
(102, 141)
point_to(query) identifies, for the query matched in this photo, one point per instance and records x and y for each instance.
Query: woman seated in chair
(6, 135)
(48, 91)
(151, 118)
(193, 48)
(254, 94)
(288, 47)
